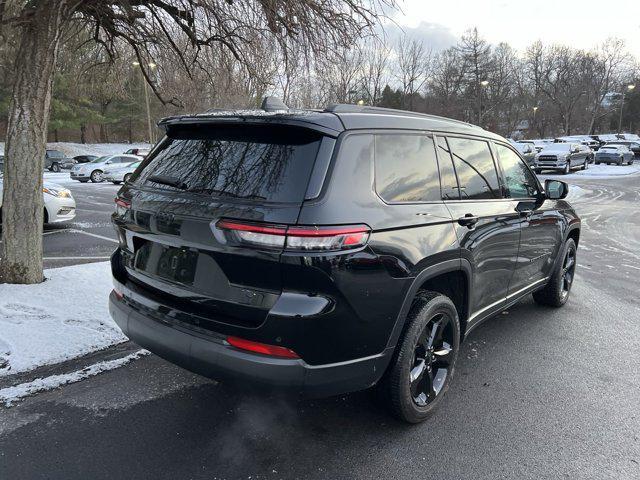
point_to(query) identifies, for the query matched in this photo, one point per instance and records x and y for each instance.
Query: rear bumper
(213, 357)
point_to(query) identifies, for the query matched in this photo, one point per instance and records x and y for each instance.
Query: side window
(519, 181)
(406, 169)
(476, 171)
(448, 178)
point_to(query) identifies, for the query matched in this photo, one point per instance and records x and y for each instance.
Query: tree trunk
(83, 134)
(22, 201)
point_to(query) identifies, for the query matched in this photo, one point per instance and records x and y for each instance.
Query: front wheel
(96, 176)
(586, 164)
(556, 292)
(55, 168)
(423, 365)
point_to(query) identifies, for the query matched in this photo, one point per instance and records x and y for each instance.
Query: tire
(116, 182)
(428, 350)
(96, 176)
(55, 168)
(556, 292)
(586, 164)
(127, 177)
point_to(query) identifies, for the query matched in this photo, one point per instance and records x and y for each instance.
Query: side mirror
(555, 189)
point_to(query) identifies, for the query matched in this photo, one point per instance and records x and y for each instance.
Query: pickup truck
(54, 161)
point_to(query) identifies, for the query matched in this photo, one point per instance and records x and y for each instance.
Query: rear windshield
(266, 162)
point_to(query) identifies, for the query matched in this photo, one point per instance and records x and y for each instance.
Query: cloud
(434, 35)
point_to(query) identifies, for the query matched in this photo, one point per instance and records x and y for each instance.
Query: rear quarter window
(265, 162)
(406, 169)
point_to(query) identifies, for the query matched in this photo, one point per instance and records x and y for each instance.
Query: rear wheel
(96, 176)
(423, 366)
(55, 168)
(556, 292)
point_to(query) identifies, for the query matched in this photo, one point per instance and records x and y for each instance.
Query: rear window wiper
(168, 180)
(222, 193)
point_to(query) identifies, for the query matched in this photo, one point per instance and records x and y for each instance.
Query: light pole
(146, 99)
(535, 109)
(630, 87)
(481, 86)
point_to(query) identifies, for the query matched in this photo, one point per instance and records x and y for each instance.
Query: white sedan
(59, 205)
(119, 173)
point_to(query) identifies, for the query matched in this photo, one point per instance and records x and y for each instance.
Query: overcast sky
(580, 23)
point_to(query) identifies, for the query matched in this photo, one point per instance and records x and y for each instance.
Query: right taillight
(294, 238)
(122, 206)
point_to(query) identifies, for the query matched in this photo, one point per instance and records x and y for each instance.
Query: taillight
(295, 238)
(122, 206)
(263, 348)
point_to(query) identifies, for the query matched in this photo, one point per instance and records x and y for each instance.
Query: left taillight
(294, 238)
(122, 206)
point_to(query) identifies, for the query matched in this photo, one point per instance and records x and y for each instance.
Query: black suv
(330, 251)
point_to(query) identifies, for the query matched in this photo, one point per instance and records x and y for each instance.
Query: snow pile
(603, 171)
(62, 318)
(10, 395)
(99, 149)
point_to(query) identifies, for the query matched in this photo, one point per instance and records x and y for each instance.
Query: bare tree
(413, 64)
(145, 27)
(376, 71)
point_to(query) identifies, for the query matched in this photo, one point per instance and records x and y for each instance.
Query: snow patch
(600, 171)
(62, 318)
(10, 395)
(71, 149)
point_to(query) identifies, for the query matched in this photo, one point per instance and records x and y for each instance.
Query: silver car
(94, 170)
(119, 173)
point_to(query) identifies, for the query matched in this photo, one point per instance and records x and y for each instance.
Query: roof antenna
(273, 104)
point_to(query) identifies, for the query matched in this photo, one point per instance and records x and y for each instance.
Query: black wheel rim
(432, 360)
(568, 271)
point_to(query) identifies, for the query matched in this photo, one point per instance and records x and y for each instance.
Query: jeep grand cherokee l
(329, 251)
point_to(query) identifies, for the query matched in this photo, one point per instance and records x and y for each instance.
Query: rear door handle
(469, 220)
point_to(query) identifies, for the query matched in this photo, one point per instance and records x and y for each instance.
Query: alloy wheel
(432, 359)
(568, 271)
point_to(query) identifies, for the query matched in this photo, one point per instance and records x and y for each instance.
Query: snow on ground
(62, 318)
(73, 149)
(600, 171)
(10, 395)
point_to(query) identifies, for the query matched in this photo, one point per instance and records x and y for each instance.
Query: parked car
(59, 205)
(630, 137)
(94, 170)
(603, 138)
(562, 157)
(84, 158)
(582, 139)
(538, 144)
(328, 251)
(633, 146)
(54, 161)
(1, 164)
(527, 151)
(119, 173)
(613, 153)
(141, 152)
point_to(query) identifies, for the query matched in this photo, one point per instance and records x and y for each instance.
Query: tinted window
(406, 168)
(476, 171)
(447, 174)
(54, 154)
(260, 162)
(519, 181)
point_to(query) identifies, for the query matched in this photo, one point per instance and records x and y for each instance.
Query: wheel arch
(451, 278)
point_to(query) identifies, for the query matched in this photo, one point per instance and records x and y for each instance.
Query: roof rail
(348, 108)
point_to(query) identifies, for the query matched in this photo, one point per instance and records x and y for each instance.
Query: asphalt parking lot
(90, 236)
